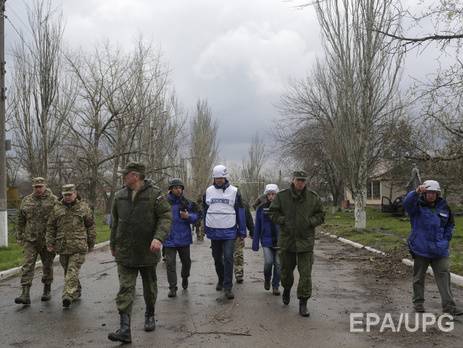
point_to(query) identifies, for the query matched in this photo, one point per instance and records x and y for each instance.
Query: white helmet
(271, 188)
(432, 185)
(220, 171)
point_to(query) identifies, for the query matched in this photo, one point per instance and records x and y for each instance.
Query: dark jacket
(432, 227)
(135, 224)
(180, 231)
(297, 214)
(265, 232)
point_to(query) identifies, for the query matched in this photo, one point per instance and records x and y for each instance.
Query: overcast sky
(239, 54)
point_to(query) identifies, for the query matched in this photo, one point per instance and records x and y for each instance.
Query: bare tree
(251, 170)
(204, 147)
(39, 101)
(364, 67)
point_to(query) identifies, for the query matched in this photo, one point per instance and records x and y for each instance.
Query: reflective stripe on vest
(221, 207)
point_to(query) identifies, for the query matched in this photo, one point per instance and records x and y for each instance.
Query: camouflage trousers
(238, 258)
(31, 251)
(199, 230)
(71, 264)
(127, 281)
(304, 262)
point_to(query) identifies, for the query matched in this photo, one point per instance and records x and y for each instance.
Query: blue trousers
(222, 252)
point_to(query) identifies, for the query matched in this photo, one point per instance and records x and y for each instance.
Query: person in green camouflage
(31, 228)
(298, 211)
(238, 256)
(71, 233)
(199, 225)
(141, 222)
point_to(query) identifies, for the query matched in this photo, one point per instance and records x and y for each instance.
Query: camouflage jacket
(33, 216)
(71, 228)
(136, 223)
(297, 215)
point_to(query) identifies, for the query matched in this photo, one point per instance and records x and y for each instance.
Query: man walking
(224, 222)
(298, 211)
(432, 228)
(141, 222)
(71, 233)
(238, 255)
(179, 239)
(33, 215)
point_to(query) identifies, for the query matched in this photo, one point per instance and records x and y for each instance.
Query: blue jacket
(227, 233)
(432, 228)
(180, 231)
(265, 231)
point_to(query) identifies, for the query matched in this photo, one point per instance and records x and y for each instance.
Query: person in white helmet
(432, 228)
(224, 221)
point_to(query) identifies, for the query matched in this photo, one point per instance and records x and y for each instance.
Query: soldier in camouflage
(31, 227)
(238, 256)
(71, 233)
(199, 225)
(297, 210)
(141, 222)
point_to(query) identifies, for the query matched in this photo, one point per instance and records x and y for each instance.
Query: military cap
(300, 174)
(68, 189)
(176, 182)
(39, 181)
(133, 167)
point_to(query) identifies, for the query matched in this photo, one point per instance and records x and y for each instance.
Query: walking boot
(303, 311)
(67, 302)
(276, 291)
(286, 297)
(419, 308)
(219, 286)
(229, 294)
(122, 334)
(46, 296)
(150, 322)
(172, 292)
(185, 283)
(25, 297)
(267, 284)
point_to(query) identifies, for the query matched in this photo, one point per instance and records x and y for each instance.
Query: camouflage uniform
(238, 257)
(31, 227)
(71, 232)
(199, 225)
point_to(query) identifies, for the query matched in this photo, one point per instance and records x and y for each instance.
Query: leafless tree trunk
(251, 170)
(40, 100)
(204, 148)
(364, 66)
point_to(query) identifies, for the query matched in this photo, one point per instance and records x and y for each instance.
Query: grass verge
(12, 256)
(389, 234)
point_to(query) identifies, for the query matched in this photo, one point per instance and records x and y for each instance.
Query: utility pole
(3, 203)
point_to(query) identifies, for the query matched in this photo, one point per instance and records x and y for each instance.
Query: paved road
(345, 280)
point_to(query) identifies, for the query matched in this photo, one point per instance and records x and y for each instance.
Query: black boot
(123, 334)
(229, 294)
(172, 292)
(185, 283)
(150, 322)
(25, 297)
(219, 286)
(303, 311)
(286, 297)
(46, 296)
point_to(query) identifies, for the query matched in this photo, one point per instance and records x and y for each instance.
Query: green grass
(12, 256)
(388, 233)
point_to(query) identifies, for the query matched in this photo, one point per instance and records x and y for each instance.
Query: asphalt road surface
(346, 280)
